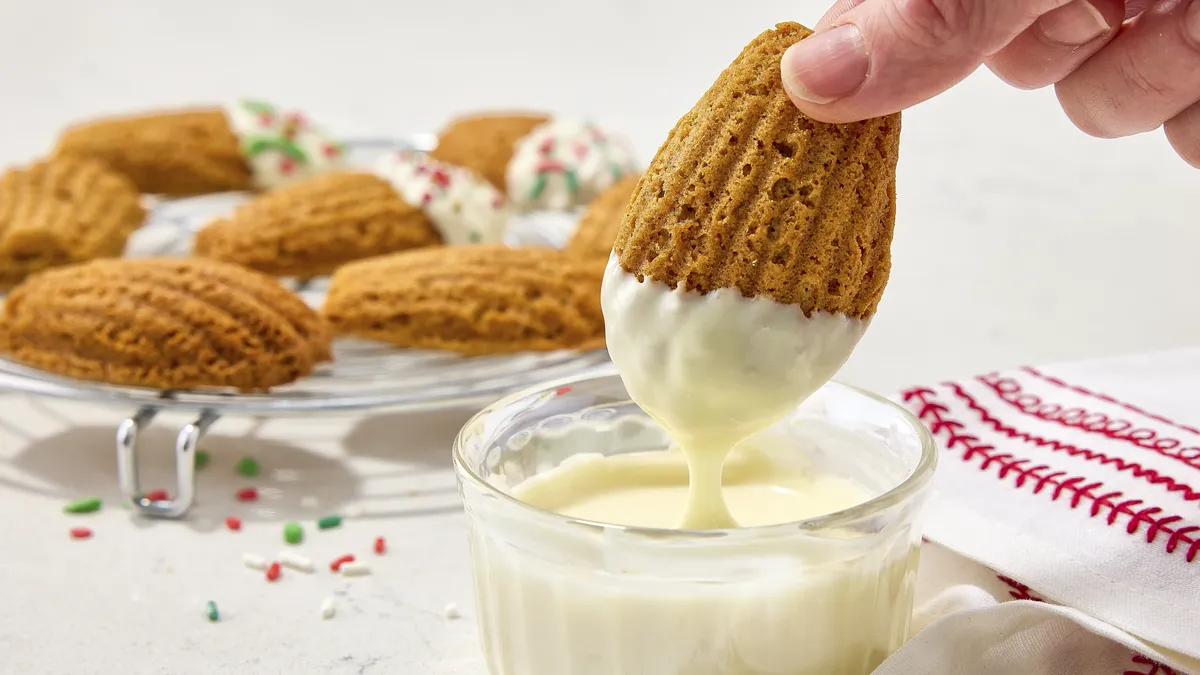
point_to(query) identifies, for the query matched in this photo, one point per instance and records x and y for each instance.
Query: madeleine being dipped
(753, 253)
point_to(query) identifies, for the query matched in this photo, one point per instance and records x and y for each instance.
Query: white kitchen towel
(969, 620)
(1081, 481)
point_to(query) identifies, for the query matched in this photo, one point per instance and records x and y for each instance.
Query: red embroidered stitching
(1150, 475)
(1156, 668)
(1009, 390)
(1109, 399)
(935, 414)
(1019, 590)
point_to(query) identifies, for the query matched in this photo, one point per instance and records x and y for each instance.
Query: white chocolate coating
(281, 147)
(465, 208)
(715, 369)
(565, 163)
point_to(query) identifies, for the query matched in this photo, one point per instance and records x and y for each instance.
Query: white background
(1019, 241)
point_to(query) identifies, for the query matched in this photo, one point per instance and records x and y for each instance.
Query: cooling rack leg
(185, 464)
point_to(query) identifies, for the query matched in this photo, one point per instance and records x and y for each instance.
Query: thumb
(878, 57)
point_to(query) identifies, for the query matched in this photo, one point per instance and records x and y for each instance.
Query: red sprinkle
(80, 533)
(234, 523)
(247, 495)
(380, 545)
(336, 565)
(156, 495)
(273, 571)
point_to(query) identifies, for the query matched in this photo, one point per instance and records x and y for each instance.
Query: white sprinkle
(254, 562)
(296, 561)
(451, 612)
(353, 511)
(355, 569)
(310, 502)
(327, 608)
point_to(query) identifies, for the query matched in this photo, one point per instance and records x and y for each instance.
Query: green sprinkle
(213, 614)
(90, 505)
(539, 184)
(248, 467)
(202, 458)
(329, 522)
(293, 533)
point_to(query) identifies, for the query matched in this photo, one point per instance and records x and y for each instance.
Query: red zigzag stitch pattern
(1009, 391)
(1080, 490)
(1109, 399)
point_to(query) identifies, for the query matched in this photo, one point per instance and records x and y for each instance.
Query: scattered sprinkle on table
(89, 505)
(254, 561)
(248, 467)
(296, 561)
(293, 533)
(451, 612)
(328, 609)
(380, 545)
(234, 523)
(273, 571)
(329, 522)
(157, 495)
(355, 569)
(247, 495)
(310, 502)
(213, 614)
(336, 565)
(202, 458)
(81, 533)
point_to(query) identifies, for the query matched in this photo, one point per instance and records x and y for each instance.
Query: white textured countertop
(1019, 241)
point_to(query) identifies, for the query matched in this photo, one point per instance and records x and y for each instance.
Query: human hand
(1119, 67)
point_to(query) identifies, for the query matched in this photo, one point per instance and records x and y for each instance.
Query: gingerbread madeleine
(471, 300)
(753, 254)
(598, 227)
(542, 163)
(61, 211)
(242, 146)
(406, 201)
(163, 323)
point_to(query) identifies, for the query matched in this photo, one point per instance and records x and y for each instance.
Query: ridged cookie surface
(748, 193)
(314, 227)
(170, 153)
(601, 221)
(485, 142)
(62, 211)
(163, 323)
(471, 299)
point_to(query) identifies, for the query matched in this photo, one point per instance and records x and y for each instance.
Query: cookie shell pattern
(748, 193)
(312, 228)
(563, 164)
(61, 211)
(163, 323)
(472, 300)
(465, 208)
(181, 153)
(598, 227)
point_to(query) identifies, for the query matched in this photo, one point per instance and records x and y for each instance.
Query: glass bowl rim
(914, 484)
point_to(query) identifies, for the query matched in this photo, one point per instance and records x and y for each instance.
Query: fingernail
(1191, 21)
(1073, 25)
(826, 66)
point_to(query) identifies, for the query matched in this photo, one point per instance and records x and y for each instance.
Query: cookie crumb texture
(164, 324)
(63, 211)
(485, 143)
(748, 193)
(598, 227)
(472, 300)
(312, 228)
(181, 153)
